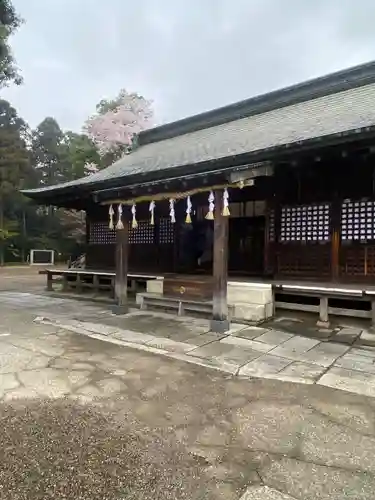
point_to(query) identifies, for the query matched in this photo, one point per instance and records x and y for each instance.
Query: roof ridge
(331, 83)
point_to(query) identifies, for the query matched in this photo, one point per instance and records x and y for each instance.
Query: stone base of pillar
(323, 324)
(119, 310)
(219, 325)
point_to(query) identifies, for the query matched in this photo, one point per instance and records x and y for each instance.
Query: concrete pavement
(84, 418)
(245, 351)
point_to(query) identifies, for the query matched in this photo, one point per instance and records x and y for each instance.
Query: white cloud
(187, 55)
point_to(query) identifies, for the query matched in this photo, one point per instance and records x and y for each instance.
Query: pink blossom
(91, 168)
(114, 125)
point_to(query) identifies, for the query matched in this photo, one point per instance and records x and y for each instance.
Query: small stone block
(219, 326)
(367, 338)
(119, 310)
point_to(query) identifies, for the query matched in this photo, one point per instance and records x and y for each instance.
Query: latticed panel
(166, 231)
(357, 261)
(305, 223)
(313, 262)
(357, 220)
(143, 234)
(99, 234)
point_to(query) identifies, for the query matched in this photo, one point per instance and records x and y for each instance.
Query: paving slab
(309, 481)
(198, 340)
(324, 354)
(352, 361)
(274, 337)
(294, 347)
(250, 332)
(170, 345)
(211, 350)
(347, 335)
(247, 344)
(301, 372)
(264, 366)
(134, 337)
(349, 380)
(239, 356)
(264, 493)
(324, 442)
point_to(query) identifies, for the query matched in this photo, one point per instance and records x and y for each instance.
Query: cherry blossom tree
(116, 122)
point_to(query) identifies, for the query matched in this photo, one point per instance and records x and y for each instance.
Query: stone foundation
(251, 301)
(155, 286)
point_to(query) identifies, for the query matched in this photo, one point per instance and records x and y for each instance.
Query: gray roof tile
(341, 112)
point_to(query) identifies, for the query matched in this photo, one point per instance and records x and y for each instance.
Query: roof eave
(311, 89)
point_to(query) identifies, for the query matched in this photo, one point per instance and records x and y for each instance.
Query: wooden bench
(179, 304)
(325, 295)
(96, 281)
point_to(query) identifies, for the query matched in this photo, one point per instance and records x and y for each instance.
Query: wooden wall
(160, 248)
(314, 220)
(322, 218)
(151, 248)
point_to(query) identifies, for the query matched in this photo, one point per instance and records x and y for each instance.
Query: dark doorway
(246, 245)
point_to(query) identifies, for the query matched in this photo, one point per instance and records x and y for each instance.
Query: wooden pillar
(121, 279)
(373, 315)
(49, 281)
(335, 238)
(220, 320)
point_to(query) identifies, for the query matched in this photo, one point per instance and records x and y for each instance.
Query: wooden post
(121, 280)
(65, 285)
(49, 281)
(220, 321)
(323, 321)
(335, 238)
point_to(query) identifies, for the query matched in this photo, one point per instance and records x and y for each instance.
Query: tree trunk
(24, 237)
(1, 234)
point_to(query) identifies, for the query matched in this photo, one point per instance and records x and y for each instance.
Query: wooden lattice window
(166, 231)
(143, 234)
(100, 234)
(305, 223)
(357, 220)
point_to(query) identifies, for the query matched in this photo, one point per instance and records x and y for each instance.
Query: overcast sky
(186, 55)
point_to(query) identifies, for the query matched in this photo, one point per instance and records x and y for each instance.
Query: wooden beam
(121, 280)
(220, 319)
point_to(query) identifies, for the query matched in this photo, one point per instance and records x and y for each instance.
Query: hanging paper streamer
(111, 213)
(211, 206)
(226, 211)
(188, 210)
(151, 209)
(171, 211)
(134, 220)
(119, 224)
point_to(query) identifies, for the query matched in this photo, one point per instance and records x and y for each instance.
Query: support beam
(121, 280)
(220, 319)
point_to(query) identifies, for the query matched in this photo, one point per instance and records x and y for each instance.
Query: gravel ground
(62, 449)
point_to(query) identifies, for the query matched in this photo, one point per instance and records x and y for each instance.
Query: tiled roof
(331, 114)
